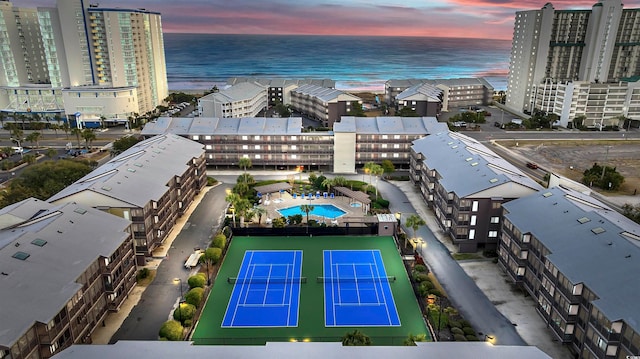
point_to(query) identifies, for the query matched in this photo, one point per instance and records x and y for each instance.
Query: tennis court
(279, 304)
(357, 291)
(266, 292)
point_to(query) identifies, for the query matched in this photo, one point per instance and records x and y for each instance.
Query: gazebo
(357, 196)
(272, 188)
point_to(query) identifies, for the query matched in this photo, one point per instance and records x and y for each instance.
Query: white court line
(266, 286)
(377, 284)
(290, 288)
(333, 304)
(235, 310)
(384, 297)
(355, 275)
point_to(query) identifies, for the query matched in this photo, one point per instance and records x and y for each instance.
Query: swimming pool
(319, 210)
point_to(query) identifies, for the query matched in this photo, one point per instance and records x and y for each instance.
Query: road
(461, 290)
(161, 296)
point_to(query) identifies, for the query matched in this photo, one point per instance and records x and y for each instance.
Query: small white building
(245, 99)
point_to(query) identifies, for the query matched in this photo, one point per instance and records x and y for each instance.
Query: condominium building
(578, 259)
(280, 89)
(456, 93)
(466, 184)
(80, 48)
(598, 46)
(280, 143)
(245, 99)
(170, 169)
(358, 140)
(322, 103)
(425, 99)
(63, 268)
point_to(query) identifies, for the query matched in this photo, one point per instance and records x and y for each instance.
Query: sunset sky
(439, 18)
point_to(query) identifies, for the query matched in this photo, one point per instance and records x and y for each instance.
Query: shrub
(465, 323)
(426, 285)
(383, 203)
(213, 254)
(420, 268)
(219, 241)
(435, 292)
(188, 323)
(455, 324)
(171, 330)
(457, 331)
(468, 331)
(421, 277)
(143, 273)
(211, 181)
(460, 338)
(197, 281)
(184, 311)
(194, 296)
(471, 338)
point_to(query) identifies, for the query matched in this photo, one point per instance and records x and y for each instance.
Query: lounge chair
(268, 220)
(317, 195)
(325, 195)
(295, 196)
(332, 196)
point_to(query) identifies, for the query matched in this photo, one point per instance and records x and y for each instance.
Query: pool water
(319, 210)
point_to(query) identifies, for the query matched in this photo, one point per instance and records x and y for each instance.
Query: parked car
(532, 165)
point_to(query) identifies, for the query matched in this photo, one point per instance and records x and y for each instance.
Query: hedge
(194, 296)
(219, 241)
(171, 330)
(184, 311)
(197, 281)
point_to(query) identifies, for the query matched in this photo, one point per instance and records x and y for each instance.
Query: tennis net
(355, 279)
(267, 280)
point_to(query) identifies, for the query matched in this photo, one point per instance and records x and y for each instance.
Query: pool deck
(277, 201)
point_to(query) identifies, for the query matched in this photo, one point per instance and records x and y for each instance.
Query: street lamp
(179, 282)
(489, 339)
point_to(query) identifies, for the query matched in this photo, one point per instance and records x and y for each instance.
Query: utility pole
(604, 165)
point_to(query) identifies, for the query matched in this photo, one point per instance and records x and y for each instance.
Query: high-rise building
(80, 58)
(550, 47)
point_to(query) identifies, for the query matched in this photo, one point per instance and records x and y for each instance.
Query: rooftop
(425, 90)
(389, 125)
(149, 164)
(60, 241)
(235, 93)
(189, 126)
(468, 167)
(279, 82)
(324, 93)
(579, 236)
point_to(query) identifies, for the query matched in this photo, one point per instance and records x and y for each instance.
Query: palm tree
(77, 132)
(306, 208)
(339, 181)
(412, 339)
(243, 207)
(377, 171)
(356, 338)
(414, 222)
(244, 163)
(368, 169)
(259, 211)
(34, 137)
(89, 135)
(328, 182)
(65, 127)
(30, 158)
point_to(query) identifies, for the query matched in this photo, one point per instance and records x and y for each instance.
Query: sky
(487, 19)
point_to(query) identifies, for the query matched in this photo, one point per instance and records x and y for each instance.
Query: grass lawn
(311, 313)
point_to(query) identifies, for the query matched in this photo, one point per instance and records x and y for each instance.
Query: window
(207, 137)
(245, 137)
(256, 137)
(495, 219)
(195, 138)
(257, 147)
(472, 234)
(474, 206)
(473, 220)
(493, 234)
(208, 147)
(245, 147)
(496, 205)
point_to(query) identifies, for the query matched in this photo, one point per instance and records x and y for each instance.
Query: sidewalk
(113, 321)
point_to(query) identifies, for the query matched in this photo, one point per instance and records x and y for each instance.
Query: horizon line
(332, 35)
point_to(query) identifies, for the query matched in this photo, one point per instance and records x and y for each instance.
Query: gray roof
(406, 83)
(150, 164)
(431, 92)
(238, 92)
(467, 166)
(390, 125)
(189, 126)
(279, 82)
(311, 350)
(323, 93)
(37, 288)
(586, 247)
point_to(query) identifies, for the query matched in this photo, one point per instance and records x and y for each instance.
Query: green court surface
(311, 323)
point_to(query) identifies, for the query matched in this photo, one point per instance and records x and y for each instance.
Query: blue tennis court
(357, 291)
(266, 292)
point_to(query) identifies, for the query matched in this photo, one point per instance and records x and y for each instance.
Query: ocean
(356, 63)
